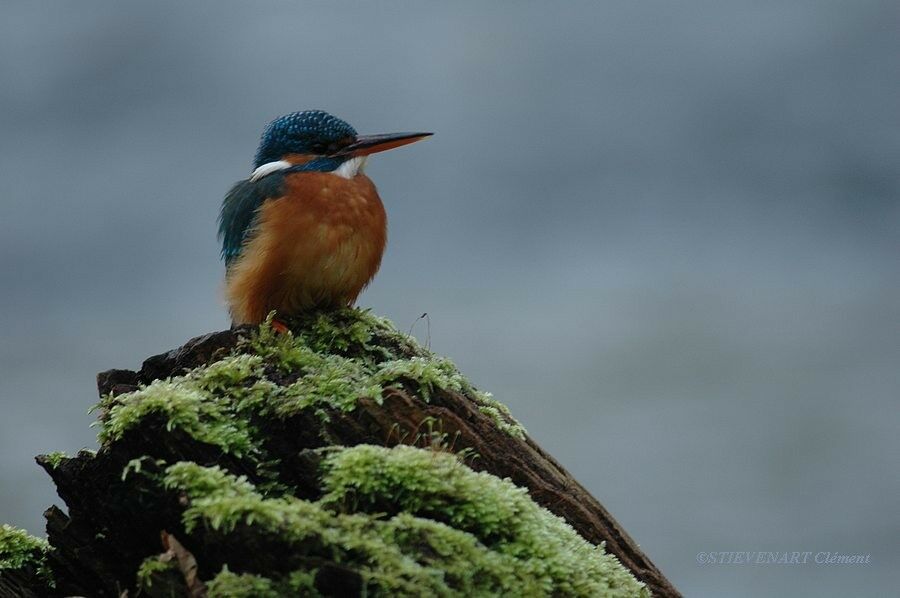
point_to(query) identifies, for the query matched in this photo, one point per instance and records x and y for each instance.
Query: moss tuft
(329, 365)
(283, 350)
(457, 532)
(354, 332)
(186, 407)
(227, 584)
(53, 459)
(333, 382)
(426, 483)
(500, 413)
(18, 548)
(339, 363)
(21, 551)
(200, 403)
(347, 331)
(151, 568)
(429, 373)
(232, 585)
(303, 583)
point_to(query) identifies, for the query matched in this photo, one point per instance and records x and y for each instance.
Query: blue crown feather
(306, 132)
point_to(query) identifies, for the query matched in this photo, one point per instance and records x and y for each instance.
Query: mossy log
(339, 460)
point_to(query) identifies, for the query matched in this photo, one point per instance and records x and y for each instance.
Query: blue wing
(240, 210)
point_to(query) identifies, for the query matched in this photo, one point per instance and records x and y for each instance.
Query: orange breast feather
(317, 246)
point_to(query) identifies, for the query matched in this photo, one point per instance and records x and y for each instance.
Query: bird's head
(322, 140)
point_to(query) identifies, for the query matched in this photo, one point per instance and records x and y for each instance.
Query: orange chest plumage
(317, 246)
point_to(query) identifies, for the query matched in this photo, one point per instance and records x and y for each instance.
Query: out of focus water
(665, 234)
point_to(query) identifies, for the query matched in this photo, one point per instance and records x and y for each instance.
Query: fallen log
(341, 459)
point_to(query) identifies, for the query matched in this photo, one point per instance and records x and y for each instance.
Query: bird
(306, 230)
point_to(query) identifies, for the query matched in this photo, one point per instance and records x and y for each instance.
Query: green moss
(227, 377)
(329, 365)
(333, 382)
(55, 458)
(202, 483)
(227, 584)
(221, 501)
(347, 332)
(429, 373)
(185, 407)
(18, 548)
(283, 350)
(500, 413)
(422, 482)
(303, 583)
(150, 568)
(231, 585)
(351, 330)
(500, 516)
(323, 380)
(354, 332)
(339, 364)
(458, 532)
(410, 521)
(201, 404)
(136, 466)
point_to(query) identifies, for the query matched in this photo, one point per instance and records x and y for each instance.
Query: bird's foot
(280, 327)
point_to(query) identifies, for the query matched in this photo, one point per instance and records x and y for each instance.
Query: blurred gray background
(665, 234)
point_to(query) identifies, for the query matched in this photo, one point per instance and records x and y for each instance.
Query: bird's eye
(318, 148)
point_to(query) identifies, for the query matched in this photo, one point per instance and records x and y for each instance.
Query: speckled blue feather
(307, 132)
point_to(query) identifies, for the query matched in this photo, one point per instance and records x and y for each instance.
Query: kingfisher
(306, 230)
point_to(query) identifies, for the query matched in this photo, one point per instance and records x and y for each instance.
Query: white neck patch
(351, 167)
(269, 168)
(347, 170)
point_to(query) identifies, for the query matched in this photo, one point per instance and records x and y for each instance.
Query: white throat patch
(269, 168)
(351, 167)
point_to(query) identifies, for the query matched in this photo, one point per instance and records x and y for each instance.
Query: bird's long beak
(372, 144)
